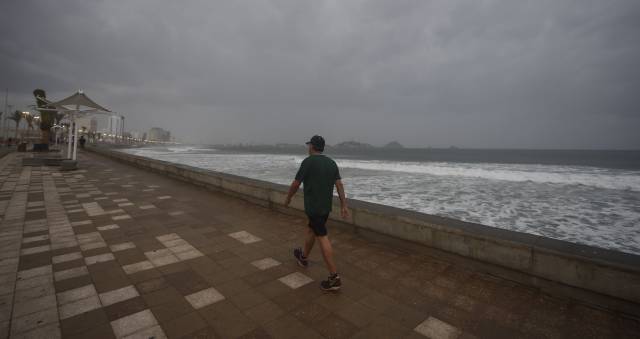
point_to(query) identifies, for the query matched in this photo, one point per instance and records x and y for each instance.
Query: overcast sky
(506, 74)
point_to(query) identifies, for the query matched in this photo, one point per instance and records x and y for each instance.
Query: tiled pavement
(112, 251)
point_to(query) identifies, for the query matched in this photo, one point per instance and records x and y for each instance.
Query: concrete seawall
(592, 269)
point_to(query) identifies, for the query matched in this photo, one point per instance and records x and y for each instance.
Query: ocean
(587, 197)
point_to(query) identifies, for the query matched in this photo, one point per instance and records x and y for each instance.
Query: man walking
(319, 174)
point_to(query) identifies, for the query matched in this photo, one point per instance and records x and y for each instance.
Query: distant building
(115, 125)
(158, 134)
(137, 135)
(87, 124)
(94, 125)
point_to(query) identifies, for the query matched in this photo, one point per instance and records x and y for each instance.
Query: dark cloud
(543, 74)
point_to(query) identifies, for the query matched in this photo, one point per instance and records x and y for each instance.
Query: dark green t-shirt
(318, 173)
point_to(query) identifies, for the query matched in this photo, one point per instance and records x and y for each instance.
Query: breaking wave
(574, 175)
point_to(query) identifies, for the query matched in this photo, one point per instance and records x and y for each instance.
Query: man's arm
(344, 210)
(292, 191)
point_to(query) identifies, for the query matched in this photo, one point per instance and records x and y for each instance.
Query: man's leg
(308, 244)
(301, 254)
(327, 253)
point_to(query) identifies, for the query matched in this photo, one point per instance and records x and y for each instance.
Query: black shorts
(317, 223)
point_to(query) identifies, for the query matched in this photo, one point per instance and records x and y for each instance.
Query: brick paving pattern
(110, 251)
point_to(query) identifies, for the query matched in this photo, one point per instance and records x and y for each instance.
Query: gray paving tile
(244, 237)
(133, 323)
(204, 298)
(175, 243)
(34, 250)
(71, 273)
(116, 296)
(66, 257)
(108, 227)
(34, 305)
(137, 267)
(92, 245)
(121, 217)
(51, 331)
(99, 258)
(437, 329)
(34, 282)
(154, 332)
(35, 272)
(76, 294)
(181, 248)
(34, 239)
(189, 255)
(266, 263)
(33, 320)
(76, 307)
(167, 237)
(295, 280)
(34, 292)
(121, 246)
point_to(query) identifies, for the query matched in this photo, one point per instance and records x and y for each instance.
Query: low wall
(593, 269)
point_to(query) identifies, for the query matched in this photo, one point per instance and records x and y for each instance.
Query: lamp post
(5, 115)
(37, 121)
(122, 129)
(25, 116)
(75, 135)
(7, 127)
(69, 136)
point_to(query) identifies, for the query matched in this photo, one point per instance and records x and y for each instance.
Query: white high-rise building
(115, 125)
(89, 123)
(158, 134)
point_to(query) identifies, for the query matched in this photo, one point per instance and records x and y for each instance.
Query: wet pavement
(111, 251)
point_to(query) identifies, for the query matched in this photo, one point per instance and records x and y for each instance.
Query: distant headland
(345, 145)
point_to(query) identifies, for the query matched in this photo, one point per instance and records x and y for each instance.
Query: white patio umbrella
(74, 106)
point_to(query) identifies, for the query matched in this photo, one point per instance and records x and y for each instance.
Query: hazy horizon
(481, 75)
(302, 145)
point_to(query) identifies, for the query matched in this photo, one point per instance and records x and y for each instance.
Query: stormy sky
(499, 74)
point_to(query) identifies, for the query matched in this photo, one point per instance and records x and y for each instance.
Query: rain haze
(489, 74)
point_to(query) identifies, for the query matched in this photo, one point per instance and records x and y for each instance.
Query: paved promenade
(110, 251)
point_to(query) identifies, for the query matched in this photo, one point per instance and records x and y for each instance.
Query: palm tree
(48, 115)
(29, 119)
(16, 116)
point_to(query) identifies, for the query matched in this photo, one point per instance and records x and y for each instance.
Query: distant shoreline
(617, 159)
(608, 159)
(241, 146)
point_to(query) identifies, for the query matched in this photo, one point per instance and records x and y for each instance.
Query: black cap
(317, 142)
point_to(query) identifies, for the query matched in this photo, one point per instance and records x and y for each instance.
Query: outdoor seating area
(56, 142)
